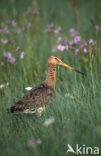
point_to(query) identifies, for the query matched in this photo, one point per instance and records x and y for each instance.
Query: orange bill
(65, 65)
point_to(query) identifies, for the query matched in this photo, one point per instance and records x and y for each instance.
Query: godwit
(35, 100)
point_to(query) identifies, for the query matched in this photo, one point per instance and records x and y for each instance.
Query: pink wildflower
(2, 63)
(60, 47)
(91, 41)
(5, 41)
(6, 30)
(7, 55)
(34, 142)
(71, 43)
(77, 39)
(57, 30)
(36, 13)
(77, 51)
(59, 39)
(28, 25)
(12, 60)
(73, 32)
(13, 23)
(85, 50)
(84, 45)
(50, 28)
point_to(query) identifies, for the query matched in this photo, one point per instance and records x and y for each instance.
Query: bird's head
(55, 60)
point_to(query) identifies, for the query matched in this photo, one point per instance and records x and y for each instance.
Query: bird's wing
(35, 98)
(39, 96)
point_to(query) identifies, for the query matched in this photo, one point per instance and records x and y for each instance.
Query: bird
(36, 100)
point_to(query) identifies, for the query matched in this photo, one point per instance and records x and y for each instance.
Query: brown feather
(34, 99)
(40, 96)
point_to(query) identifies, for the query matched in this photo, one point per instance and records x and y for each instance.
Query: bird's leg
(39, 111)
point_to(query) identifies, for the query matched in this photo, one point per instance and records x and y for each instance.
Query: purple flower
(77, 39)
(57, 30)
(73, 32)
(7, 55)
(12, 60)
(28, 25)
(13, 23)
(36, 13)
(34, 142)
(85, 50)
(60, 47)
(5, 41)
(77, 51)
(22, 55)
(91, 41)
(84, 45)
(50, 28)
(71, 43)
(6, 30)
(31, 142)
(2, 63)
(59, 39)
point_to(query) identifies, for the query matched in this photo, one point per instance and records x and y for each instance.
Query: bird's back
(36, 98)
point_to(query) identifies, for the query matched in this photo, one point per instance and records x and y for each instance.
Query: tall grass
(77, 107)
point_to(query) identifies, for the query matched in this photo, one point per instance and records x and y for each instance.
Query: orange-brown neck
(51, 76)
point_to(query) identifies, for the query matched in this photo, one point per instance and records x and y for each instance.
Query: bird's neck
(51, 76)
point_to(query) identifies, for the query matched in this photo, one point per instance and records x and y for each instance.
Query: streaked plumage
(35, 100)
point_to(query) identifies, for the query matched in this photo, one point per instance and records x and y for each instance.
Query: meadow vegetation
(31, 31)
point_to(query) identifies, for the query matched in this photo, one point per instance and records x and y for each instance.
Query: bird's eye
(55, 57)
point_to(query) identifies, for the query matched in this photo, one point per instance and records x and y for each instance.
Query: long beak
(65, 65)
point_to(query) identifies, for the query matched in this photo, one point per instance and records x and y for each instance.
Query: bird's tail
(10, 110)
(17, 108)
